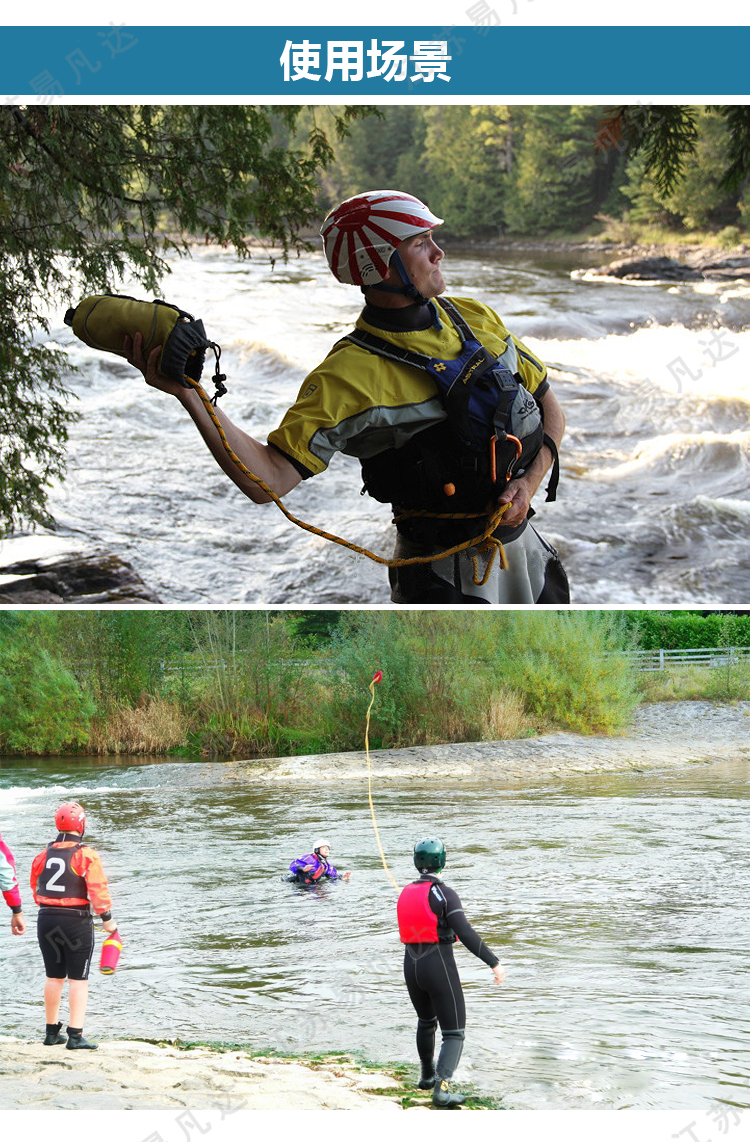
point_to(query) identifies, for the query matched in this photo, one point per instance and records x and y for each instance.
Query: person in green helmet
(430, 920)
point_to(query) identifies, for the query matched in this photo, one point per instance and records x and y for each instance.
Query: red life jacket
(316, 873)
(417, 923)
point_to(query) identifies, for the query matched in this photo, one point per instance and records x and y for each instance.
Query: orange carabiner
(519, 450)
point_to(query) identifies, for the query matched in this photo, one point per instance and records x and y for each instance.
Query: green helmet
(429, 855)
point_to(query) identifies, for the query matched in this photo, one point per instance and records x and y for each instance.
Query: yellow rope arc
(369, 789)
(485, 541)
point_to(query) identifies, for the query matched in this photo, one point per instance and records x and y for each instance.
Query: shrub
(42, 708)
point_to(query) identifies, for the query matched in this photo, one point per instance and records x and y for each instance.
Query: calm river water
(617, 902)
(654, 502)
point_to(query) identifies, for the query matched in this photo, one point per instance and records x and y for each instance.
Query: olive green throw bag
(105, 320)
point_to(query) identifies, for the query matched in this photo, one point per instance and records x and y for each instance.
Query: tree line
(539, 170)
(229, 683)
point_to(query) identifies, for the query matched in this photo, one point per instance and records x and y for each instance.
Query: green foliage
(467, 157)
(728, 683)
(440, 674)
(697, 196)
(554, 168)
(118, 655)
(244, 683)
(664, 135)
(365, 643)
(313, 627)
(559, 178)
(567, 667)
(688, 630)
(368, 158)
(87, 193)
(42, 708)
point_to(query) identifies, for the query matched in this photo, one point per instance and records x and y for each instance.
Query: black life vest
(493, 430)
(417, 923)
(57, 879)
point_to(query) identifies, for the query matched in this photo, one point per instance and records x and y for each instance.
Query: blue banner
(332, 63)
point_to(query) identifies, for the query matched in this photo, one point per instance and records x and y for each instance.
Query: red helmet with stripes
(362, 233)
(71, 818)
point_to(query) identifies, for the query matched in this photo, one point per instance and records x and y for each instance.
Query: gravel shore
(663, 735)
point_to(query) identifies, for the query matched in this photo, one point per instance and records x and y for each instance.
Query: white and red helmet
(361, 235)
(71, 818)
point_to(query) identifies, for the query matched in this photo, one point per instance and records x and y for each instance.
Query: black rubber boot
(53, 1038)
(450, 1053)
(426, 1050)
(443, 1098)
(76, 1041)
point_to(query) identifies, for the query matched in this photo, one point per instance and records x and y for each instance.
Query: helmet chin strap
(408, 289)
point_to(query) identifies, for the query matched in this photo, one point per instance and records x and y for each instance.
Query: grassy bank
(164, 727)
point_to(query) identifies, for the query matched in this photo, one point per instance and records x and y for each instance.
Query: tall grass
(154, 726)
(42, 707)
(729, 683)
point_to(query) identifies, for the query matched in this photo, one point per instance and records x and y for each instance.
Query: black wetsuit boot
(76, 1041)
(450, 1053)
(53, 1037)
(426, 1050)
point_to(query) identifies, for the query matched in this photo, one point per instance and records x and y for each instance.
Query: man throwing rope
(451, 417)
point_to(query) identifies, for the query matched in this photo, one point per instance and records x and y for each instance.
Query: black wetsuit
(433, 982)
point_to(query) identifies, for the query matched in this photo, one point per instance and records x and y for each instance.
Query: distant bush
(568, 670)
(43, 710)
(485, 676)
(686, 630)
(729, 237)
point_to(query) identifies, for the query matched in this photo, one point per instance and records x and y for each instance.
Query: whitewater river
(617, 902)
(654, 501)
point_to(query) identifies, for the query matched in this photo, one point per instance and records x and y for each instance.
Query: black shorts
(66, 937)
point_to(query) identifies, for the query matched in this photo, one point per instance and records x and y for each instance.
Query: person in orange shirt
(68, 881)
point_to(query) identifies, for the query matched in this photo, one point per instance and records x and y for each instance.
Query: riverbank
(134, 1075)
(664, 735)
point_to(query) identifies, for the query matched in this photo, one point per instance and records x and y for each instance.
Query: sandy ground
(143, 1076)
(663, 735)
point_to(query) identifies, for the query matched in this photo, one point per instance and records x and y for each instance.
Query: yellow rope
(369, 786)
(486, 535)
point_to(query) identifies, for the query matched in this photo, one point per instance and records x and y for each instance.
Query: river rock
(659, 268)
(81, 577)
(696, 265)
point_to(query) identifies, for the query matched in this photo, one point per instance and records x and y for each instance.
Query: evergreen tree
(467, 159)
(701, 197)
(559, 177)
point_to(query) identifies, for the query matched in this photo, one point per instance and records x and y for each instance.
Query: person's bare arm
(520, 492)
(261, 459)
